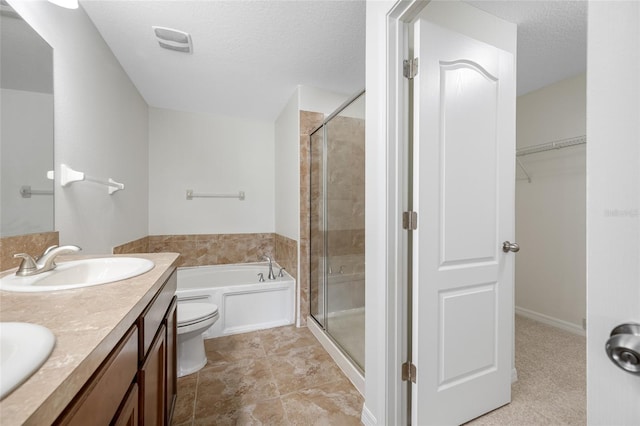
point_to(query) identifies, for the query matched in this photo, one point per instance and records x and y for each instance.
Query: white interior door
(464, 183)
(613, 206)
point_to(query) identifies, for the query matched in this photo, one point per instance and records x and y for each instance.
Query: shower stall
(336, 240)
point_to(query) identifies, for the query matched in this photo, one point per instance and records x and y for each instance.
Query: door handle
(623, 347)
(507, 247)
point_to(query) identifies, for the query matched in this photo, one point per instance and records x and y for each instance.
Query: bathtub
(244, 304)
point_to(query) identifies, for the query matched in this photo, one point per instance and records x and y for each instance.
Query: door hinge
(410, 68)
(408, 372)
(410, 221)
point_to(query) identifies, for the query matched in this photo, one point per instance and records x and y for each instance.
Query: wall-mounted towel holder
(191, 195)
(68, 176)
(27, 192)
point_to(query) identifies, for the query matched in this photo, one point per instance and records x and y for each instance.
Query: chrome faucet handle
(260, 277)
(27, 266)
(281, 273)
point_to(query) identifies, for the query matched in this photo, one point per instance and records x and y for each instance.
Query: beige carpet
(551, 386)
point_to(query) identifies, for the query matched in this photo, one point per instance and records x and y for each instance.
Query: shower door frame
(323, 284)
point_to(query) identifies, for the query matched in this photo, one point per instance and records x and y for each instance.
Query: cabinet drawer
(99, 401)
(152, 317)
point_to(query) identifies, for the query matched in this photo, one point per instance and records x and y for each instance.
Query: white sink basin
(23, 349)
(79, 273)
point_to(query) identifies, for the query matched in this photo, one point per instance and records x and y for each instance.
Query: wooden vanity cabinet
(128, 414)
(136, 384)
(157, 373)
(171, 325)
(99, 399)
(152, 377)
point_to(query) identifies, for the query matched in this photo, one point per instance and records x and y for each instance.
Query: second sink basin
(24, 348)
(79, 273)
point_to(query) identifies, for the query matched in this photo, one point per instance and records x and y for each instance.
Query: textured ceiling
(248, 56)
(552, 38)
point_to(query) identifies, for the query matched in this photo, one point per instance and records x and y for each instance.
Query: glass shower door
(344, 250)
(337, 228)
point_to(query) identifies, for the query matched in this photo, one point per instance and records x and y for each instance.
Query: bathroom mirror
(26, 127)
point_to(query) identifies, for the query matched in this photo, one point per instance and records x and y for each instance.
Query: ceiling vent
(173, 39)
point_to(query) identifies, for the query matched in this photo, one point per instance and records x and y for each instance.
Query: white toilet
(193, 320)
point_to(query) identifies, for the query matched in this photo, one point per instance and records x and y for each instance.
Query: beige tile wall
(309, 121)
(205, 249)
(346, 213)
(136, 246)
(33, 244)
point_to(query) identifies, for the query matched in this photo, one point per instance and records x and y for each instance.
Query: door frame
(395, 138)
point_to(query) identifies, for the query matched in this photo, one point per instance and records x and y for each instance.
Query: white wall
(26, 154)
(613, 209)
(209, 154)
(287, 169)
(376, 193)
(318, 100)
(551, 210)
(100, 128)
(287, 153)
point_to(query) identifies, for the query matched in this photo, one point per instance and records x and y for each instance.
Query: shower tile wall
(345, 215)
(34, 244)
(309, 121)
(345, 210)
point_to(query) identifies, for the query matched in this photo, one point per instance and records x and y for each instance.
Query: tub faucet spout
(271, 275)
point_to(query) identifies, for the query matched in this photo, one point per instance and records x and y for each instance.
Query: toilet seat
(193, 313)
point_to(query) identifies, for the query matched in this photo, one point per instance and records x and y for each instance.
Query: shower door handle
(508, 246)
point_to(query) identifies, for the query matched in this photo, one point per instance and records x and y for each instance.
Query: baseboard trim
(554, 322)
(367, 418)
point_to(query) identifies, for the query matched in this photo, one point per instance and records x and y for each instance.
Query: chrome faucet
(271, 275)
(30, 266)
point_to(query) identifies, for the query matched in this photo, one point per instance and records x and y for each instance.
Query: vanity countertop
(88, 323)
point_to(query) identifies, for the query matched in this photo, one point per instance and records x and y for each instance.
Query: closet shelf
(559, 144)
(550, 146)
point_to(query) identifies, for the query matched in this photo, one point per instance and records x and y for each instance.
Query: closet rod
(562, 143)
(559, 144)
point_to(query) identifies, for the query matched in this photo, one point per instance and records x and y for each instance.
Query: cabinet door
(99, 400)
(152, 380)
(172, 360)
(129, 411)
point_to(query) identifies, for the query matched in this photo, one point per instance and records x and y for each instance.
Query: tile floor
(280, 376)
